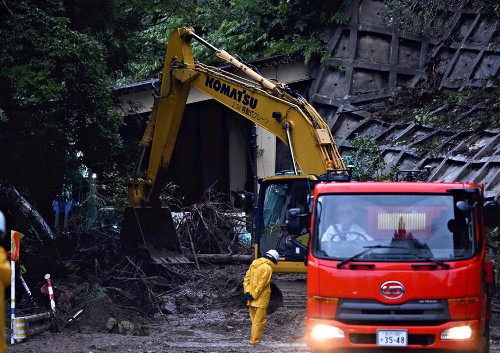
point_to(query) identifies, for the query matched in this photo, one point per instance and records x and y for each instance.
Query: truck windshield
(406, 227)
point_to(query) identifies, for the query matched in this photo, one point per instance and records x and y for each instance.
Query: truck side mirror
(491, 214)
(293, 221)
(310, 203)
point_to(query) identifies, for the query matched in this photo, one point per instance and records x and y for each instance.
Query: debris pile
(213, 227)
(204, 228)
(98, 288)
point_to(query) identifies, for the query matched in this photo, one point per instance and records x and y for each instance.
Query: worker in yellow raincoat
(4, 282)
(257, 289)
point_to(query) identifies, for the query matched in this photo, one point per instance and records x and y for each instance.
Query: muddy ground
(205, 315)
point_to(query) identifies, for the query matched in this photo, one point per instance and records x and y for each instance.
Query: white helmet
(273, 256)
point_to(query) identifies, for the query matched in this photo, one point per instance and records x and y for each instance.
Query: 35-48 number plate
(392, 338)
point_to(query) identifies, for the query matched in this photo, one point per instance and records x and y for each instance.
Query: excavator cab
(277, 195)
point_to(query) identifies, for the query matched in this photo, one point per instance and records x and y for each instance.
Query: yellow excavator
(269, 104)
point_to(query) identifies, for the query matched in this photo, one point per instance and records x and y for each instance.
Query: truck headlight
(322, 332)
(457, 333)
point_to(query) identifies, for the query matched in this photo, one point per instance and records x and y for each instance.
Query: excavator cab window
(276, 197)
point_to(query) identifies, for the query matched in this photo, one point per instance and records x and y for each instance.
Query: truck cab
(399, 265)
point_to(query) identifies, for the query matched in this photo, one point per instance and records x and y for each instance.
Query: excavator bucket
(150, 232)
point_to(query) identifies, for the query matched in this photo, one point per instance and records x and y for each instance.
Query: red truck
(398, 266)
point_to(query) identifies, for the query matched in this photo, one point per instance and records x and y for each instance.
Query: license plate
(392, 338)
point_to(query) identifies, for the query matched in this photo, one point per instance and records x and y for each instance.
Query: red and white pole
(51, 294)
(13, 300)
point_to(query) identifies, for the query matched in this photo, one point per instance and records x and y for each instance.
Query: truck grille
(372, 312)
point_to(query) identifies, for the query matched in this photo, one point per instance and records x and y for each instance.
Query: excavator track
(293, 288)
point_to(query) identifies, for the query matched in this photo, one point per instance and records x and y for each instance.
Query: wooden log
(222, 258)
(21, 216)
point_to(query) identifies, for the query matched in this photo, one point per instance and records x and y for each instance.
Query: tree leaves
(59, 60)
(55, 101)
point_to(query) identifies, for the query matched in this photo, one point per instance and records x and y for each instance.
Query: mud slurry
(208, 314)
(214, 330)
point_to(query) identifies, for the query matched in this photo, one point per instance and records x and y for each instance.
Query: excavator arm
(273, 106)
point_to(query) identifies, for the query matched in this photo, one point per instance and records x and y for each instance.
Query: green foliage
(167, 196)
(57, 109)
(491, 8)
(433, 17)
(91, 291)
(423, 117)
(112, 189)
(250, 29)
(368, 161)
(492, 238)
(59, 60)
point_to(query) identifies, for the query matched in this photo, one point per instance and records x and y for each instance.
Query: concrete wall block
(481, 142)
(495, 40)
(341, 50)
(391, 134)
(391, 157)
(488, 173)
(327, 113)
(471, 146)
(371, 12)
(443, 58)
(420, 137)
(373, 47)
(470, 172)
(364, 81)
(463, 65)
(489, 148)
(493, 182)
(407, 161)
(449, 171)
(464, 26)
(332, 83)
(345, 125)
(488, 66)
(482, 33)
(432, 161)
(403, 80)
(373, 128)
(409, 53)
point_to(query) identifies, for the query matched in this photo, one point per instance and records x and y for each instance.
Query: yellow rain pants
(258, 317)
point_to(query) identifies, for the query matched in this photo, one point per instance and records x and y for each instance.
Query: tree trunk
(21, 216)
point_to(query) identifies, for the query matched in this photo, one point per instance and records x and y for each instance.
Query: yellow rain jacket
(257, 281)
(4, 282)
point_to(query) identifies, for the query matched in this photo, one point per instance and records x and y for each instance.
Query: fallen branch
(225, 258)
